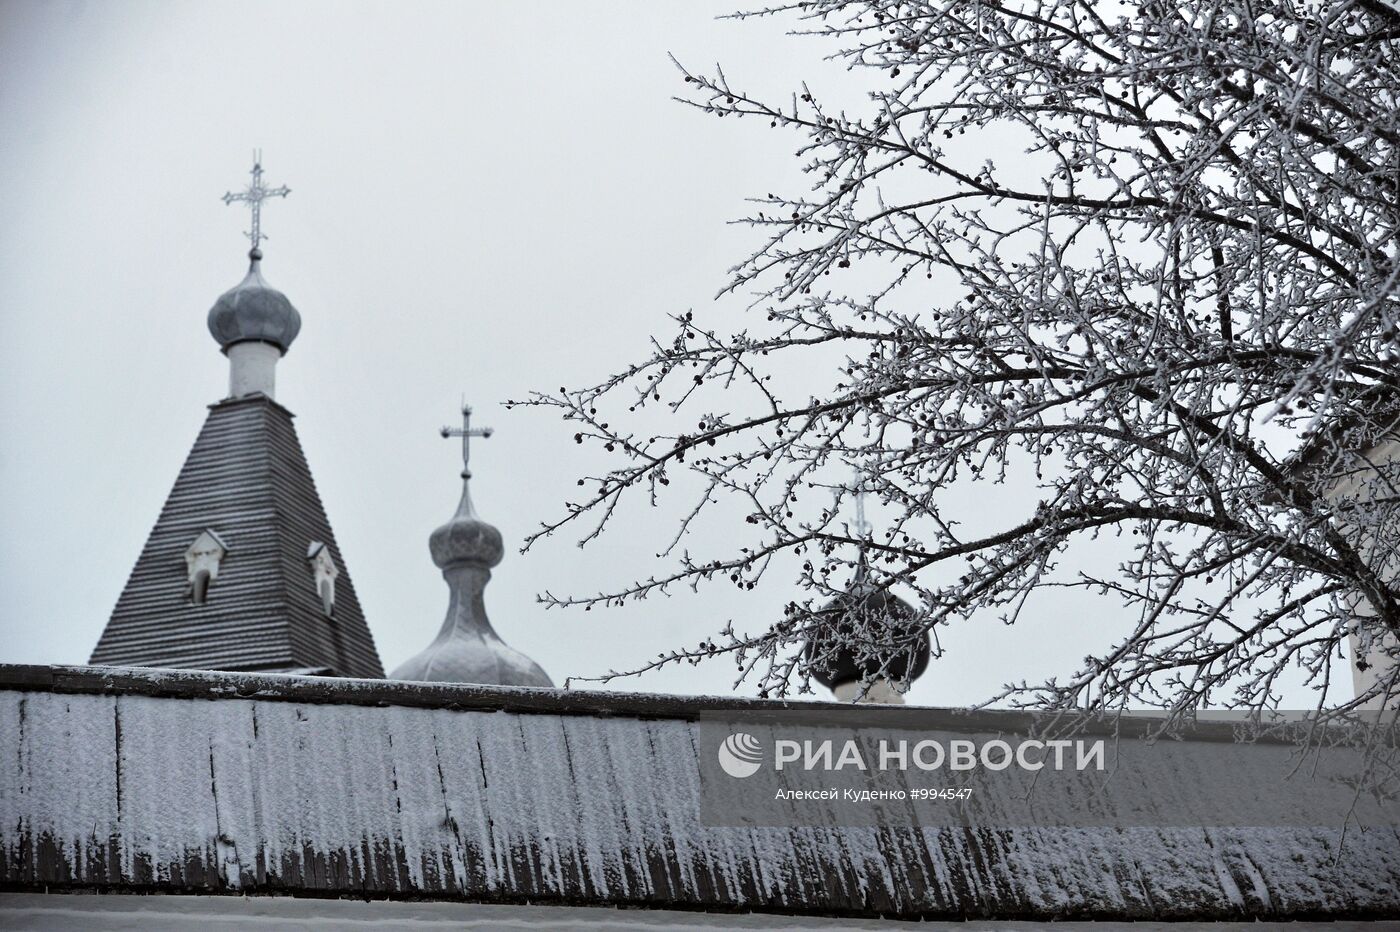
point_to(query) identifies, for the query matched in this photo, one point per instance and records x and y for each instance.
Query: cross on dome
(862, 526)
(466, 432)
(256, 193)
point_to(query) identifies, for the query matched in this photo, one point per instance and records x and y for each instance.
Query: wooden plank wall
(116, 790)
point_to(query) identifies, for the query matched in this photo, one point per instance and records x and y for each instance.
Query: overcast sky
(488, 198)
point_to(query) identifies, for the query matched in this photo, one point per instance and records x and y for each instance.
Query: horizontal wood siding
(246, 478)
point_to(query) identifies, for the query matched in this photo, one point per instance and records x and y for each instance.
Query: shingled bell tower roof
(247, 480)
(242, 570)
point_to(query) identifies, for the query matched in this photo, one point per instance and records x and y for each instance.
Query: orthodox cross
(862, 527)
(257, 193)
(466, 432)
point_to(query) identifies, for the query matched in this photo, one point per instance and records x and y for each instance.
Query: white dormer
(202, 561)
(323, 573)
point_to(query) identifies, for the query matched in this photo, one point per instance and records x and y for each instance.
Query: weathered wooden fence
(230, 783)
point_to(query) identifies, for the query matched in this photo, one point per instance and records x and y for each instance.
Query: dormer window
(202, 560)
(323, 574)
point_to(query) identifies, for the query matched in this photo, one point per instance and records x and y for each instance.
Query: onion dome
(466, 539)
(467, 649)
(869, 633)
(253, 310)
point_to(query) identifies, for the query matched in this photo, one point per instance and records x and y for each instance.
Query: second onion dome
(868, 646)
(467, 648)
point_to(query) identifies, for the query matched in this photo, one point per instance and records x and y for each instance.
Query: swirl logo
(741, 755)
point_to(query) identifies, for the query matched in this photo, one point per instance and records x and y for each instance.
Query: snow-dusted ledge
(35, 912)
(140, 780)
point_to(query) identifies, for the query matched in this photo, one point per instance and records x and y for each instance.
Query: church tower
(467, 648)
(242, 570)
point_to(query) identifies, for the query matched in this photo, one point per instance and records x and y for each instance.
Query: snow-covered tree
(1141, 257)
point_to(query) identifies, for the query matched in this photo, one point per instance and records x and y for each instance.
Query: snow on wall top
(225, 783)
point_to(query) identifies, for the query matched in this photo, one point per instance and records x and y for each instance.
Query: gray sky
(487, 198)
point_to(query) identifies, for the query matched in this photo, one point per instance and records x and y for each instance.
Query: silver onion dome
(253, 310)
(467, 649)
(466, 539)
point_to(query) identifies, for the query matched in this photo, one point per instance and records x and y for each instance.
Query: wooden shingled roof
(247, 480)
(217, 783)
